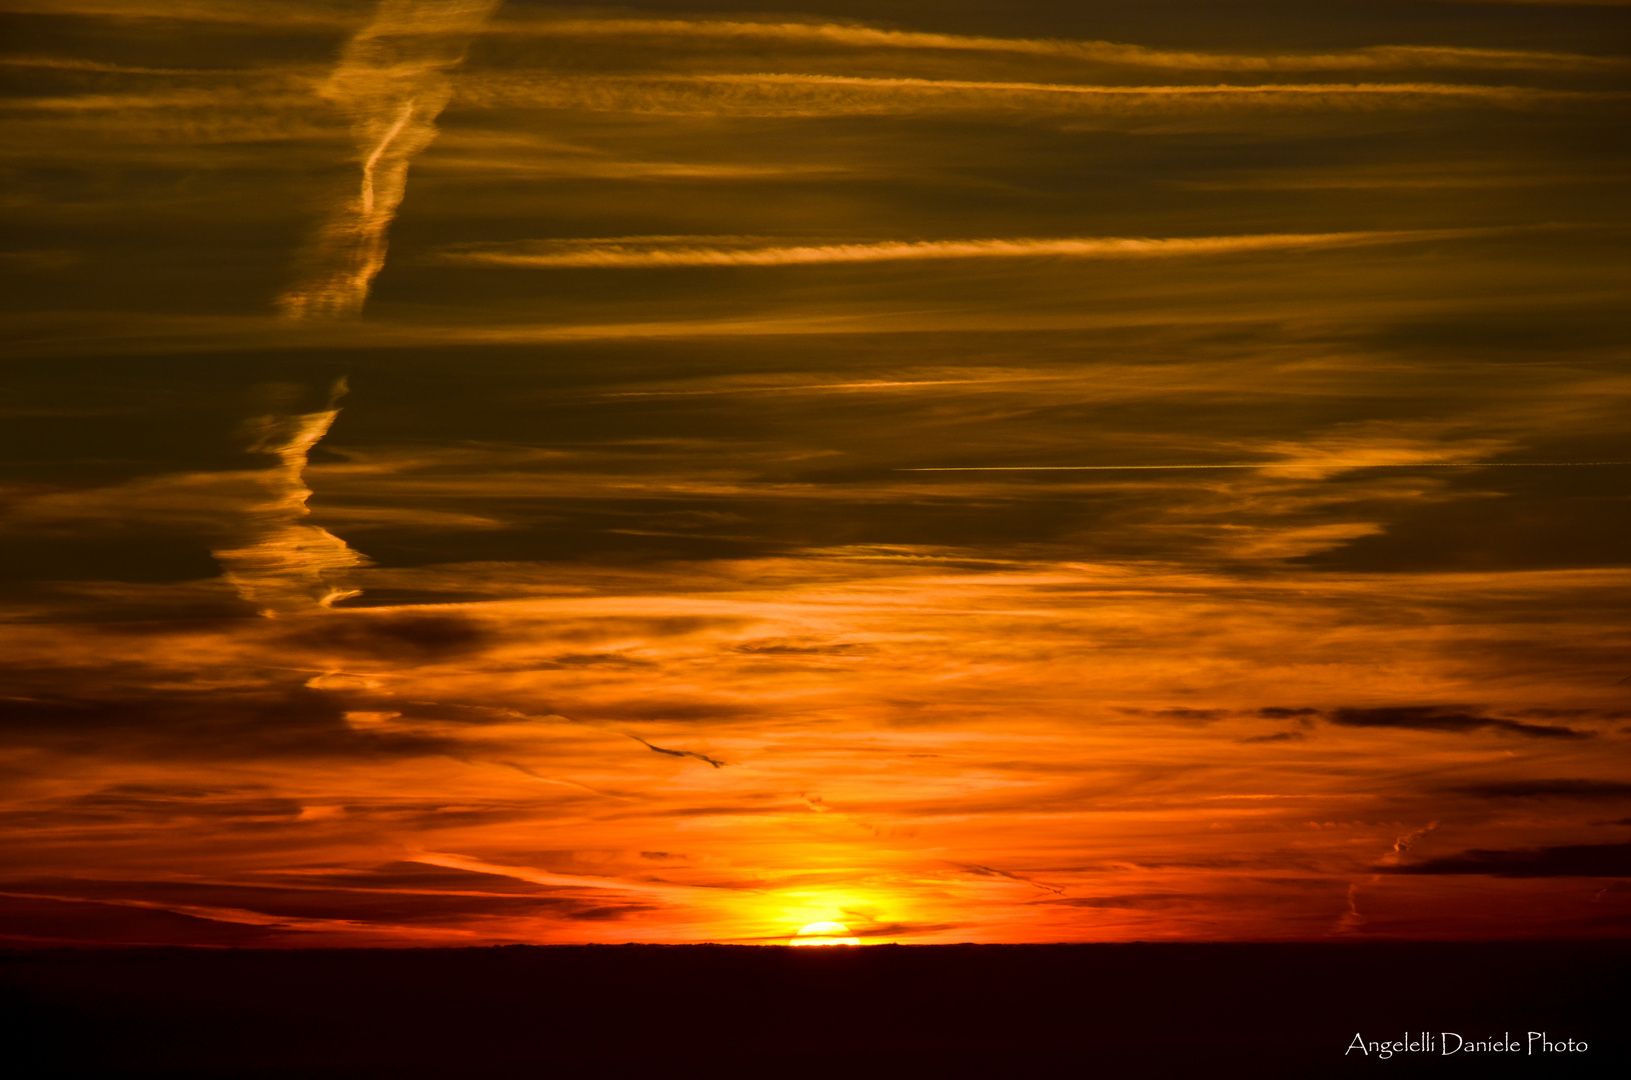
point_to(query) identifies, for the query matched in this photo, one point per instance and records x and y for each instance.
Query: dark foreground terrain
(726, 1011)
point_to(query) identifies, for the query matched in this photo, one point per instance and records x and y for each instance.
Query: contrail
(392, 81)
(637, 252)
(288, 566)
(1274, 465)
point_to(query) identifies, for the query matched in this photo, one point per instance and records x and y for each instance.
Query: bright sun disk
(824, 933)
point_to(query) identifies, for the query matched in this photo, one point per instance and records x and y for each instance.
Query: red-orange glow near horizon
(1083, 473)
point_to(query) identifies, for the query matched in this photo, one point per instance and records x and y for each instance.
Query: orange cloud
(391, 80)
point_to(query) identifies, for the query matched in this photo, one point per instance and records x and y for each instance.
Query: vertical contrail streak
(379, 151)
(392, 81)
(285, 565)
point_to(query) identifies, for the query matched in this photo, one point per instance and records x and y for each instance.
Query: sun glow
(824, 933)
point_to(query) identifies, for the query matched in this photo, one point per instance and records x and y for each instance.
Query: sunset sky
(1015, 471)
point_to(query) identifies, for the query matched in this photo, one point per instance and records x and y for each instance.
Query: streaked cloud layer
(1003, 474)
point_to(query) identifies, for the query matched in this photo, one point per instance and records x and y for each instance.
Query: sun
(824, 933)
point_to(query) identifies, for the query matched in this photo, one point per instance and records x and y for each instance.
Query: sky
(482, 473)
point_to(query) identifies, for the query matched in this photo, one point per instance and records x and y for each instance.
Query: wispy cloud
(665, 251)
(538, 877)
(1415, 89)
(1288, 465)
(802, 94)
(98, 67)
(1548, 788)
(216, 100)
(1098, 52)
(1447, 718)
(392, 81)
(288, 565)
(473, 153)
(280, 13)
(716, 763)
(1573, 860)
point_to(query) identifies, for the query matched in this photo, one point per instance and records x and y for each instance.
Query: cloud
(1445, 718)
(363, 905)
(798, 94)
(74, 64)
(60, 920)
(388, 635)
(988, 871)
(678, 753)
(1560, 788)
(1407, 177)
(128, 806)
(1182, 714)
(1403, 843)
(1098, 52)
(542, 877)
(286, 565)
(1572, 860)
(210, 723)
(282, 14)
(677, 251)
(391, 80)
(481, 156)
(1126, 900)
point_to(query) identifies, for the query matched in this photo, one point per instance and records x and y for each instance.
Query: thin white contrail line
(1272, 465)
(373, 159)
